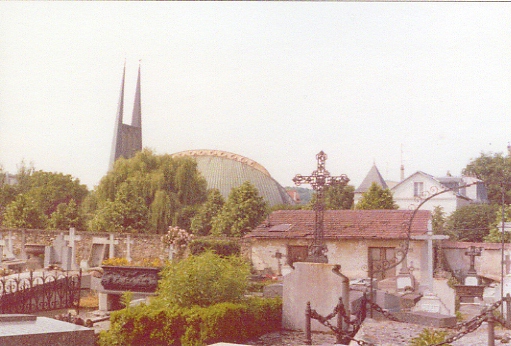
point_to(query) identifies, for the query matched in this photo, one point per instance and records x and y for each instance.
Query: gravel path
(381, 333)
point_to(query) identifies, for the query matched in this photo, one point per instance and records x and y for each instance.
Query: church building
(222, 170)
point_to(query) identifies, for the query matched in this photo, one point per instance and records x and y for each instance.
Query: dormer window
(418, 188)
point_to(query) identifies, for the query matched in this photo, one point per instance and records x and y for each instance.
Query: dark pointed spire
(116, 143)
(136, 119)
(127, 138)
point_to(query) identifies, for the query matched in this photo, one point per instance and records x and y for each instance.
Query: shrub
(156, 325)
(204, 280)
(429, 337)
(222, 247)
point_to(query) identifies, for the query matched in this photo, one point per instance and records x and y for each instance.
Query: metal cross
(319, 180)
(472, 253)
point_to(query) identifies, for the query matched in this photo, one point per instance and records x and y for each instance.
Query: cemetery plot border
(28, 294)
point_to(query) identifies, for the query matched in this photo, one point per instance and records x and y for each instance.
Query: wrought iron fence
(32, 293)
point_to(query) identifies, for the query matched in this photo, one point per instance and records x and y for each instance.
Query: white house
(418, 187)
(412, 191)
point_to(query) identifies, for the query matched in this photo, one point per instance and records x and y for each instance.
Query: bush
(225, 322)
(429, 337)
(222, 247)
(204, 280)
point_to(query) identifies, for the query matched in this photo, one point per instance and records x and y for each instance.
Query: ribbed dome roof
(224, 171)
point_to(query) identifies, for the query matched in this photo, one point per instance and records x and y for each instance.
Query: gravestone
(472, 279)
(18, 330)
(6, 243)
(72, 238)
(405, 280)
(316, 283)
(59, 254)
(101, 249)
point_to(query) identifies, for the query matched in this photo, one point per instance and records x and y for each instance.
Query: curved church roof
(224, 171)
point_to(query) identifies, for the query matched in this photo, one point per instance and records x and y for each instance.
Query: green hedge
(222, 247)
(224, 322)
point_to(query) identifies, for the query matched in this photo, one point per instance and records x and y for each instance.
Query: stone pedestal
(310, 282)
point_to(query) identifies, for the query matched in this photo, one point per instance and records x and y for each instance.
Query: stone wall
(144, 246)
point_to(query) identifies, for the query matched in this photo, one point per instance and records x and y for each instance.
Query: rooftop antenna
(402, 176)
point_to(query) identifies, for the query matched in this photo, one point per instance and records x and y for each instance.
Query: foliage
(336, 197)
(123, 262)
(242, 212)
(470, 223)
(156, 324)
(221, 247)
(429, 337)
(201, 222)
(494, 169)
(495, 235)
(177, 238)
(438, 220)
(24, 213)
(67, 216)
(38, 195)
(204, 280)
(147, 192)
(376, 198)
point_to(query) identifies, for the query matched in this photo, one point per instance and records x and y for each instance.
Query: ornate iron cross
(319, 180)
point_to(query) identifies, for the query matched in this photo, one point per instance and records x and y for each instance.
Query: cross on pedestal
(71, 239)
(429, 237)
(507, 263)
(472, 253)
(319, 179)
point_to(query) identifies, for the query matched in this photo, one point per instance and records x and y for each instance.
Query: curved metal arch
(407, 225)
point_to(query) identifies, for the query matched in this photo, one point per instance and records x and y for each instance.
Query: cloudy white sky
(426, 83)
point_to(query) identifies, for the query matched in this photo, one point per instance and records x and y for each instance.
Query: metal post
(340, 323)
(308, 336)
(508, 311)
(491, 328)
(502, 251)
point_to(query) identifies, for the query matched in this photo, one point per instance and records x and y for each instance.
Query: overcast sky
(428, 84)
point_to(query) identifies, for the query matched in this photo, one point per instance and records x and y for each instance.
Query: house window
(418, 188)
(381, 258)
(296, 254)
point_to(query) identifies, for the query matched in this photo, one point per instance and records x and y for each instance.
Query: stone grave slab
(429, 319)
(18, 330)
(272, 291)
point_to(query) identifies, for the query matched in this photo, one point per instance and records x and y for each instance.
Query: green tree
(470, 223)
(127, 213)
(493, 169)
(67, 216)
(376, 198)
(201, 222)
(204, 280)
(166, 190)
(438, 220)
(242, 212)
(24, 213)
(336, 197)
(495, 234)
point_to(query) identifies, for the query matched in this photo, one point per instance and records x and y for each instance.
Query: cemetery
(319, 273)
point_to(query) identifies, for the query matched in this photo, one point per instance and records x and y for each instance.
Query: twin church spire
(127, 138)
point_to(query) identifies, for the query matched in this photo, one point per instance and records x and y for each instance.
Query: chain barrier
(472, 325)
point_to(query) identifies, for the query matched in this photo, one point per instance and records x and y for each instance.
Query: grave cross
(128, 242)
(429, 237)
(319, 180)
(507, 262)
(472, 253)
(72, 238)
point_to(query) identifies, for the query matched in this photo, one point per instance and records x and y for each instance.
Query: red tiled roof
(343, 224)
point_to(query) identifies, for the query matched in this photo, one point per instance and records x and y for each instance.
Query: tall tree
(24, 213)
(168, 190)
(494, 170)
(242, 212)
(67, 216)
(336, 197)
(201, 222)
(471, 223)
(376, 198)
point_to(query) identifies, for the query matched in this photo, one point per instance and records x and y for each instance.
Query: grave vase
(130, 278)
